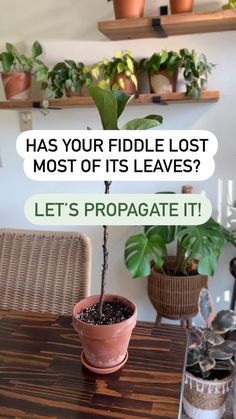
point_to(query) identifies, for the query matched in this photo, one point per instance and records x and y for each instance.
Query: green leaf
(133, 78)
(121, 83)
(7, 61)
(158, 118)
(224, 321)
(203, 242)
(166, 232)
(107, 106)
(193, 356)
(164, 56)
(130, 64)
(223, 356)
(138, 251)
(122, 100)
(42, 73)
(11, 49)
(206, 363)
(206, 307)
(142, 123)
(120, 67)
(36, 49)
(213, 338)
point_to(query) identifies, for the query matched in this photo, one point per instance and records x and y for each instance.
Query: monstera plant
(174, 283)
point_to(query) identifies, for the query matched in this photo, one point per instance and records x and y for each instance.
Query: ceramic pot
(175, 297)
(105, 346)
(83, 92)
(16, 85)
(205, 399)
(128, 9)
(181, 6)
(162, 82)
(129, 86)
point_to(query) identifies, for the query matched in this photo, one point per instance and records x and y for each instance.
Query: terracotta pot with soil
(105, 345)
(128, 9)
(181, 6)
(16, 85)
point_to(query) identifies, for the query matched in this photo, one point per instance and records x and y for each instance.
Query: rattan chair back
(43, 271)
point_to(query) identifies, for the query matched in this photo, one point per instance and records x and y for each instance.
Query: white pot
(205, 399)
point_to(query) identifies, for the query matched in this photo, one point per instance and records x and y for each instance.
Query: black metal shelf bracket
(158, 100)
(156, 24)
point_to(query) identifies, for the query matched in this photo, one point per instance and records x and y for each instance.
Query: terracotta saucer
(102, 370)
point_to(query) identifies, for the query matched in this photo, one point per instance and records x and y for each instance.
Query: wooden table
(41, 376)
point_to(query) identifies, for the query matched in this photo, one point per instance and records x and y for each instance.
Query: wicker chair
(43, 271)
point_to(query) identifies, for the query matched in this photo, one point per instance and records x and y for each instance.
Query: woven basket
(206, 398)
(175, 297)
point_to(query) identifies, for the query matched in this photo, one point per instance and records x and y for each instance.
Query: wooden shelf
(142, 99)
(159, 26)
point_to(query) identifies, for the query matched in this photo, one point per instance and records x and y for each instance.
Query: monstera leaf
(139, 250)
(204, 243)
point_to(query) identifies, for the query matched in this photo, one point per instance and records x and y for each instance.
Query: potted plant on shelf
(230, 5)
(195, 71)
(105, 322)
(181, 6)
(162, 69)
(68, 78)
(128, 9)
(174, 283)
(210, 365)
(119, 73)
(17, 69)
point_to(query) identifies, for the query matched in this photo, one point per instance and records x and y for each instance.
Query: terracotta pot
(205, 399)
(128, 9)
(16, 85)
(162, 82)
(175, 297)
(181, 6)
(83, 92)
(104, 346)
(130, 88)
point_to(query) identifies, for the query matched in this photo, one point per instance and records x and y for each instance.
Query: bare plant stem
(105, 257)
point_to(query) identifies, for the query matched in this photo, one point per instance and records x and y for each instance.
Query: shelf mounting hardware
(156, 24)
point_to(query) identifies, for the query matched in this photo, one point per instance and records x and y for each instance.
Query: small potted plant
(230, 5)
(196, 70)
(119, 73)
(174, 282)
(105, 322)
(17, 69)
(128, 9)
(70, 78)
(210, 364)
(162, 69)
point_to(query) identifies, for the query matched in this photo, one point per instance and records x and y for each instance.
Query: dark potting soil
(214, 375)
(113, 312)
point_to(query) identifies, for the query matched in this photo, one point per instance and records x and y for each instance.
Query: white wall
(67, 29)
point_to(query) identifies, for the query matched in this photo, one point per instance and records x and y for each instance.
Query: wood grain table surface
(41, 376)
